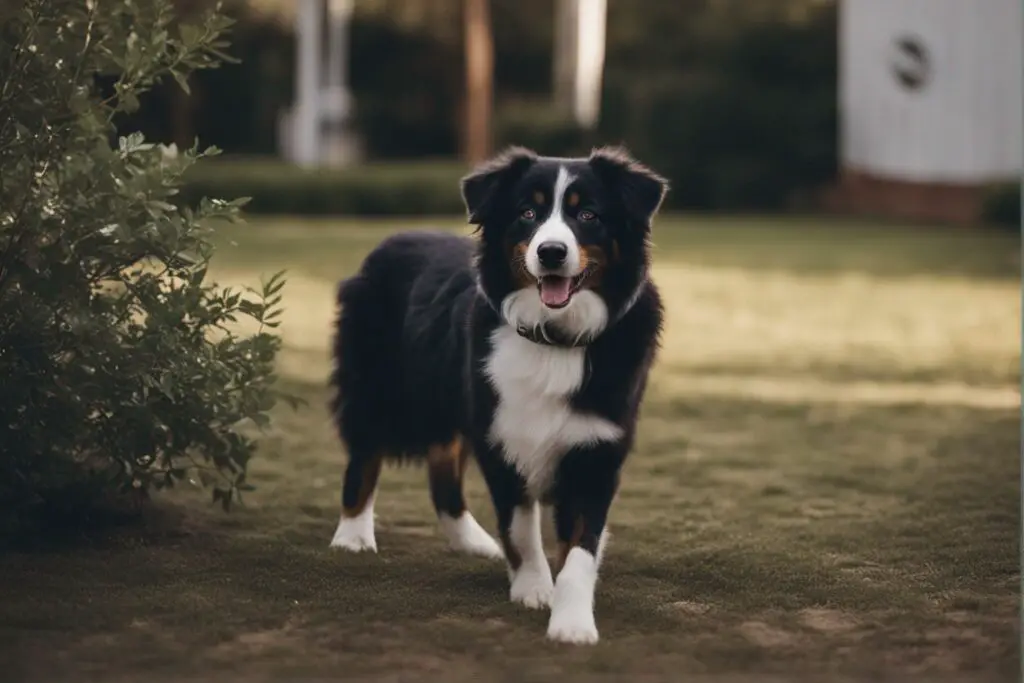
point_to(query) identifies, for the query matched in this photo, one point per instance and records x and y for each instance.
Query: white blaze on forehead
(562, 182)
(555, 229)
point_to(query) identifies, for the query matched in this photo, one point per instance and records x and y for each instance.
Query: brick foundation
(861, 193)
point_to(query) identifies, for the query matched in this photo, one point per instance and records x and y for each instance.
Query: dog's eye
(528, 214)
(585, 216)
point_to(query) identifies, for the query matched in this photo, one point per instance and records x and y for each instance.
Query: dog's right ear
(485, 183)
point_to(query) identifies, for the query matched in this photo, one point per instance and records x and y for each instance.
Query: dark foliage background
(734, 101)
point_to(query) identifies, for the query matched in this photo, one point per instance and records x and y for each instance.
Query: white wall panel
(964, 122)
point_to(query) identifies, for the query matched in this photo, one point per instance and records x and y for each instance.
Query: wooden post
(479, 49)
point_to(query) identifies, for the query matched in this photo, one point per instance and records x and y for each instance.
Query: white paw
(532, 586)
(465, 535)
(483, 546)
(573, 626)
(572, 609)
(355, 534)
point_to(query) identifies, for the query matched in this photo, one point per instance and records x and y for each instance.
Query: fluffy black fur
(416, 324)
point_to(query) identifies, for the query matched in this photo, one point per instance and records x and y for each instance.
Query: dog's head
(563, 242)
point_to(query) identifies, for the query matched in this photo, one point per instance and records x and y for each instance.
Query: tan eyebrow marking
(538, 197)
(574, 199)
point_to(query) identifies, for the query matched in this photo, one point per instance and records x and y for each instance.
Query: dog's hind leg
(355, 530)
(447, 464)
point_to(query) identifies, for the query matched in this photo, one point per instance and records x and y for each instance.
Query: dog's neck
(549, 335)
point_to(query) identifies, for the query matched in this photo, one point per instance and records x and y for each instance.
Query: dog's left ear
(483, 186)
(641, 189)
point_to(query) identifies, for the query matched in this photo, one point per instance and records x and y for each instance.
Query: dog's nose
(552, 254)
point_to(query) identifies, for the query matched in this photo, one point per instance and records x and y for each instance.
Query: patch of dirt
(828, 620)
(255, 642)
(765, 635)
(952, 636)
(690, 607)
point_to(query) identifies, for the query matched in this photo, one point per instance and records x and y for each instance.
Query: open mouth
(556, 291)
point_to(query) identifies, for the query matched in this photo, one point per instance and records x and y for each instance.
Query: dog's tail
(367, 370)
(345, 284)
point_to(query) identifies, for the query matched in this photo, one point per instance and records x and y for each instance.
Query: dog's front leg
(530, 581)
(581, 509)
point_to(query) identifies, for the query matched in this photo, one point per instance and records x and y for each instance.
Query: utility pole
(479, 52)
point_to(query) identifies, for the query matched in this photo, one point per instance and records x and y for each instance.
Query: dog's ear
(640, 189)
(485, 183)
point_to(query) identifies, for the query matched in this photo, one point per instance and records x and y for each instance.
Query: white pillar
(337, 98)
(339, 13)
(590, 46)
(579, 58)
(305, 119)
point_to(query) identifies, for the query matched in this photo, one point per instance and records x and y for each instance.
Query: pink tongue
(554, 291)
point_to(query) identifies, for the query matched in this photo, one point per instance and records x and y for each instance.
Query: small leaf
(190, 34)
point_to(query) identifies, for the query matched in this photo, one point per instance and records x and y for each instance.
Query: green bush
(540, 126)
(727, 146)
(407, 87)
(123, 366)
(378, 189)
(747, 123)
(1002, 205)
(234, 107)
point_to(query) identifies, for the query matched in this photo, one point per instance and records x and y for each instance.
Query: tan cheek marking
(574, 199)
(595, 259)
(518, 264)
(615, 250)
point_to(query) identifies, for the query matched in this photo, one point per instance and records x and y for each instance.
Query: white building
(930, 95)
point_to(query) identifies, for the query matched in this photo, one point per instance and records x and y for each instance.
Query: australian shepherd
(526, 347)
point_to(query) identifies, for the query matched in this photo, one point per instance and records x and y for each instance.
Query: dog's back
(398, 344)
(399, 354)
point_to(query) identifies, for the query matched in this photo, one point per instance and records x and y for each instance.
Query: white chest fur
(534, 424)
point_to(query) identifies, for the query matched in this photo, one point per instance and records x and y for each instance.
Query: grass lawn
(826, 487)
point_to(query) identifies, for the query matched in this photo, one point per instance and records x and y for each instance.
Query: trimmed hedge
(1002, 205)
(540, 126)
(377, 189)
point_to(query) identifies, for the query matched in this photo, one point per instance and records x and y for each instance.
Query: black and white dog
(527, 348)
